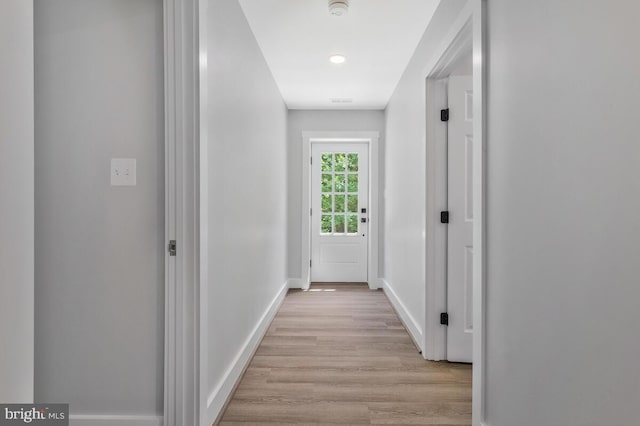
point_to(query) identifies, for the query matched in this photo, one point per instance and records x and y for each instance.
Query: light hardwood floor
(338, 354)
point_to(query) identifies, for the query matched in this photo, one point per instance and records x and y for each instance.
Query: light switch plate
(123, 172)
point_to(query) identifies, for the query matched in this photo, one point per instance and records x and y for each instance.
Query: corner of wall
(294, 283)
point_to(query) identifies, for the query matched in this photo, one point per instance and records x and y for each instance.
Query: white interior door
(339, 212)
(460, 228)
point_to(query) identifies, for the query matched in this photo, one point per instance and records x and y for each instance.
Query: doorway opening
(340, 208)
(456, 188)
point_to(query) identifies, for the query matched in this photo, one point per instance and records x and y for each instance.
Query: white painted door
(460, 228)
(339, 212)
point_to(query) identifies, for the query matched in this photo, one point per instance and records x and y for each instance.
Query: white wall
(99, 249)
(247, 192)
(563, 231)
(320, 120)
(16, 201)
(405, 159)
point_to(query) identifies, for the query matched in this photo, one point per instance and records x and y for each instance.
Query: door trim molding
(457, 43)
(467, 34)
(370, 138)
(182, 276)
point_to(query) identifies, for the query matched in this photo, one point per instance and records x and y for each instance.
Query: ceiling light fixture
(338, 7)
(337, 59)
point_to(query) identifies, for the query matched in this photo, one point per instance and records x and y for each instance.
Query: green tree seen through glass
(352, 226)
(326, 224)
(326, 203)
(352, 162)
(352, 183)
(339, 164)
(339, 183)
(339, 220)
(352, 203)
(327, 163)
(326, 183)
(339, 204)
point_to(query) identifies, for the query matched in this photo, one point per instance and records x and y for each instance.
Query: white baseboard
(107, 420)
(219, 397)
(294, 283)
(412, 326)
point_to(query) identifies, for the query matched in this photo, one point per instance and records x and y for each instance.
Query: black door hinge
(444, 217)
(444, 318)
(444, 114)
(172, 248)
(309, 263)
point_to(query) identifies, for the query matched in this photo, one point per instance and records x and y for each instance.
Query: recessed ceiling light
(337, 59)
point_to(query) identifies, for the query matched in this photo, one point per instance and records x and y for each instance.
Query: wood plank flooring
(338, 354)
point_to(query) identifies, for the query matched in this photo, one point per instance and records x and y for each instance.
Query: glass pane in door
(339, 193)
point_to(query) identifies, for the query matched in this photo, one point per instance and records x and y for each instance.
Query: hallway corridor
(338, 354)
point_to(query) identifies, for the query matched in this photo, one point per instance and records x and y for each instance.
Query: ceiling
(378, 38)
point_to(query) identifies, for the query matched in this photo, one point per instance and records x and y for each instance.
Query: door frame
(467, 34)
(370, 138)
(184, 75)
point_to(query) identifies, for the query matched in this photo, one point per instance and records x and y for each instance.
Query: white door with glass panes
(339, 212)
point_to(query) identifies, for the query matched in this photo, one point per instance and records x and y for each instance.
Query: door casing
(370, 138)
(185, 276)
